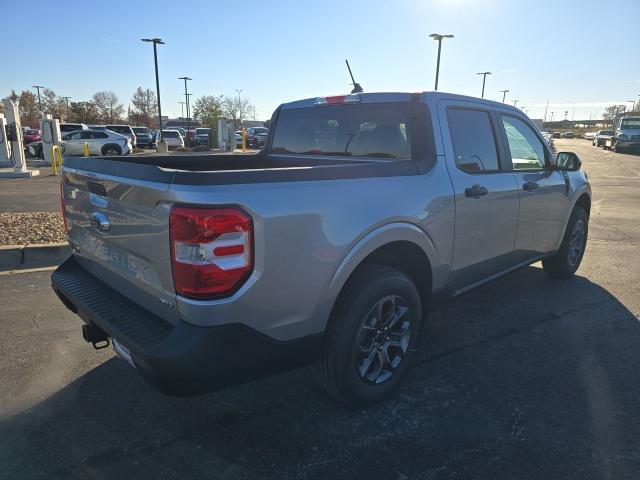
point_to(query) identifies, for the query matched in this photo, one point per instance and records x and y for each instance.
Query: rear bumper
(180, 359)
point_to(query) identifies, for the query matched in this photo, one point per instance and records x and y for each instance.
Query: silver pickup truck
(328, 247)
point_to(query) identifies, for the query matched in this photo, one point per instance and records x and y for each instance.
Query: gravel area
(31, 227)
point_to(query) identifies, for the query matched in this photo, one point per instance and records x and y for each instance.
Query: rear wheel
(617, 148)
(371, 337)
(567, 260)
(111, 150)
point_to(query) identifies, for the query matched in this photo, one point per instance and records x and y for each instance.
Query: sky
(577, 55)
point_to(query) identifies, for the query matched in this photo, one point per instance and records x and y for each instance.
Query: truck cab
(626, 136)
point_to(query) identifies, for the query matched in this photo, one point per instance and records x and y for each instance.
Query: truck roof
(428, 97)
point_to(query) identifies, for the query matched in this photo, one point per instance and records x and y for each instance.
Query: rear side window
(99, 135)
(363, 130)
(474, 145)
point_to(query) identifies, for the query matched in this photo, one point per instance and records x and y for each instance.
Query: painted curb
(14, 257)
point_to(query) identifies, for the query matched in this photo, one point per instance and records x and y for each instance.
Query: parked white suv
(173, 138)
(101, 142)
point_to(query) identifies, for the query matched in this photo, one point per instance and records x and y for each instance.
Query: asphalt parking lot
(527, 377)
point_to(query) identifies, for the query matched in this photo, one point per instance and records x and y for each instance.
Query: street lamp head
(185, 78)
(438, 36)
(153, 40)
(484, 73)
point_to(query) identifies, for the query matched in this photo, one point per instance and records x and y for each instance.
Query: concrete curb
(15, 257)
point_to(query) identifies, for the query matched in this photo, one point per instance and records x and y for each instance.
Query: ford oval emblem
(100, 221)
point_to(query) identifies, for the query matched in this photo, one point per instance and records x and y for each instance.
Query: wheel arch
(400, 245)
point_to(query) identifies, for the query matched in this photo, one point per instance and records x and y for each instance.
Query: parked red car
(31, 135)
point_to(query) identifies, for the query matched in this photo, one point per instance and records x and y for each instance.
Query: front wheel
(371, 338)
(111, 151)
(567, 260)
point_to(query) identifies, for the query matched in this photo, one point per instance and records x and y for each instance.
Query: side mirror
(568, 161)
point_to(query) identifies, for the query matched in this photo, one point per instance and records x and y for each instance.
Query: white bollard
(17, 148)
(50, 131)
(5, 147)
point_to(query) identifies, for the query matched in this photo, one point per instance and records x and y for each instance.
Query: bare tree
(108, 106)
(53, 104)
(145, 106)
(613, 111)
(236, 108)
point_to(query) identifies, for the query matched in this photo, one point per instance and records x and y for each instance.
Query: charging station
(13, 134)
(50, 132)
(5, 146)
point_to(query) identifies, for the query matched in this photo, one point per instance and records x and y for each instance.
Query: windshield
(369, 130)
(605, 132)
(630, 123)
(260, 131)
(202, 131)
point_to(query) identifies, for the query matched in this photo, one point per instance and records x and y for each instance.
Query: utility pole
(546, 107)
(156, 42)
(484, 80)
(38, 87)
(186, 95)
(438, 37)
(504, 94)
(66, 99)
(239, 107)
(182, 104)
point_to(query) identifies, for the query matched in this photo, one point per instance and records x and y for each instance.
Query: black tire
(617, 149)
(567, 260)
(111, 150)
(352, 324)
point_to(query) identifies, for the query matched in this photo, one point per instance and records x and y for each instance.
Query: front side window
(474, 145)
(99, 135)
(363, 130)
(75, 136)
(527, 151)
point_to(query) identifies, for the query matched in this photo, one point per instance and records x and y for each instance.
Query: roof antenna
(356, 86)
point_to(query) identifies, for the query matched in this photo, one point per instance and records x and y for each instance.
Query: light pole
(66, 99)
(186, 96)
(504, 94)
(182, 109)
(515, 102)
(155, 42)
(439, 37)
(484, 80)
(38, 87)
(239, 106)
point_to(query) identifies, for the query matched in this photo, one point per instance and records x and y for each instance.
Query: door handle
(530, 186)
(475, 191)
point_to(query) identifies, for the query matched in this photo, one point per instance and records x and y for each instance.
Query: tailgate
(118, 219)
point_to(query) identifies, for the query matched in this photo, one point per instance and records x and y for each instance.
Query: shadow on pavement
(528, 377)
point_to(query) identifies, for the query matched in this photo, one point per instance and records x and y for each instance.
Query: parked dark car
(256, 136)
(144, 137)
(601, 137)
(556, 135)
(568, 135)
(202, 136)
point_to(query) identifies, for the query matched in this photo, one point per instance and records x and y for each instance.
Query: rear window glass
(140, 130)
(474, 145)
(170, 134)
(202, 131)
(364, 130)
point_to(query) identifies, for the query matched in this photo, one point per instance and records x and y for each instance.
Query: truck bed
(216, 169)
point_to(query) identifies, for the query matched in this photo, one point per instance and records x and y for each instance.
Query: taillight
(211, 250)
(64, 214)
